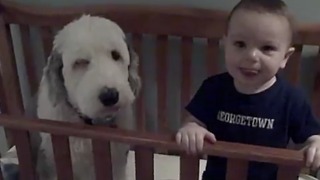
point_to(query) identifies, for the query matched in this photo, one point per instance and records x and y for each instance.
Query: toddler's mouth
(248, 72)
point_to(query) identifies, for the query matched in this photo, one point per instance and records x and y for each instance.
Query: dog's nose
(109, 96)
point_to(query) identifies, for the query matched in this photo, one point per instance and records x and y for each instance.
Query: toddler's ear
(289, 52)
(287, 56)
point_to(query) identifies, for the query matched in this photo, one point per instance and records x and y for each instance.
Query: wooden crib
(160, 22)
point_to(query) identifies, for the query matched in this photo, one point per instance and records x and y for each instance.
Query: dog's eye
(81, 63)
(115, 55)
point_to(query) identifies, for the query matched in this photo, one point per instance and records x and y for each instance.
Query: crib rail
(290, 162)
(150, 17)
(126, 16)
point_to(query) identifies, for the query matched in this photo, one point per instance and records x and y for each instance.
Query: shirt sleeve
(202, 103)
(303, 121)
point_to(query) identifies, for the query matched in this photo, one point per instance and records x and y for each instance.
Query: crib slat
(61, 150)
(212, 56)
(11, 87)
(10, 73)
(288, 173)
(3, 105)
(102, 159)
(23, 145)
(186, 56)
(161, 55)
(144, 163)
(29, 58)
(162, 70)
(140, 116)
(189, 167)
(292, 69)
(1, 176)
(236, 169)
(47, 38)
(316, 87)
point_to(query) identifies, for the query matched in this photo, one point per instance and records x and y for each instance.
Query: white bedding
(166, 167)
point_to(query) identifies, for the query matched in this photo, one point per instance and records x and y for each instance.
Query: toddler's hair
(277, 7)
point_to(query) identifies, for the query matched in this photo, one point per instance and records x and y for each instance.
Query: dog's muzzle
(109, 121)
(109, 96)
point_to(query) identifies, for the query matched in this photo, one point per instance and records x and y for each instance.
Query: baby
(251, 103)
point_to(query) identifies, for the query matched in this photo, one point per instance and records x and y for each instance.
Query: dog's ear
(54, 77)
(134, 78)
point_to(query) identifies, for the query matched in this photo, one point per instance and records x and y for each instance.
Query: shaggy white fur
(90, 74)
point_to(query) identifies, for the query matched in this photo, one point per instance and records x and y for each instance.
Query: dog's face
(97, 71)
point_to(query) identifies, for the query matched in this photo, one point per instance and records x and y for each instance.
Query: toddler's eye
(268, 48)
(240, 44)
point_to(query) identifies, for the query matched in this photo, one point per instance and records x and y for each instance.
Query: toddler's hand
(312, 154)
(191, 137)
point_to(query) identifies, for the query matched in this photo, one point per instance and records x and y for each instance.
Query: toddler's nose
(253, 55)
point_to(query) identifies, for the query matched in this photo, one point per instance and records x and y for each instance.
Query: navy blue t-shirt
(269, 118)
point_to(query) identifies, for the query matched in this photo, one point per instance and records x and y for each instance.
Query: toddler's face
(256, 46)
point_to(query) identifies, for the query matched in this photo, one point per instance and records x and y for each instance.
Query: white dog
(91, 77)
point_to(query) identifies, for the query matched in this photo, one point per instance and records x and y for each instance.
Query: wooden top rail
(170, 20)
(21, 8)
(139, 19)
(153, 140)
